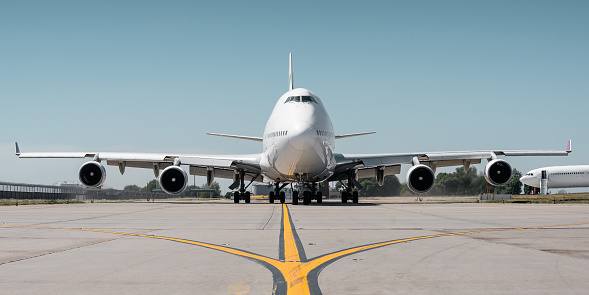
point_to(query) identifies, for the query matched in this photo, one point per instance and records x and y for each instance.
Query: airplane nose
(302, 136)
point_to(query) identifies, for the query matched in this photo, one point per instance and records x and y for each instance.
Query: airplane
(559, 176)
(298, 148)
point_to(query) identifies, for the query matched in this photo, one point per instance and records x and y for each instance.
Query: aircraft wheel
(247, 197)
(295, 198)
(271, 197)
(282, 197)
(319, 197)
(355, 197)
(344, 197)
(235, 197)
(306, 198)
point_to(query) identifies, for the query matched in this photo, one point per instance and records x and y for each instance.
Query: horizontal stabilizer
(238, 136)
(352, 135)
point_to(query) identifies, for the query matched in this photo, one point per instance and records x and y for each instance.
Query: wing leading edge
(224, 166)
(391, 163)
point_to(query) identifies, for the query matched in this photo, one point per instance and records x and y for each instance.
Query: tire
(319, 197)
(282, 197)
(344, 197)
(355, 197)
(271, 197)
(306, 198)
(295, 198)
(247, 197)
(235, 197)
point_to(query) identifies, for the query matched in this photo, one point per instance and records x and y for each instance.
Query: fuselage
(298, 139)
(559, 176)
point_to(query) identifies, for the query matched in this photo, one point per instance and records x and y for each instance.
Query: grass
(13, 202)
(577, 198)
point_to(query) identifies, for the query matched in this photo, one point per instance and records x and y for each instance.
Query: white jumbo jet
(559, 176)
(298, 147)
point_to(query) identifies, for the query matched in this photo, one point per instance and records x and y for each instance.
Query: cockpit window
(307, 99)
(304, 98)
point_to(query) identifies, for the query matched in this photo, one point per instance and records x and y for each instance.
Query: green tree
(151, 186)
(132, 187)
(370, 188)
(514, 186)
(216, 187)
(189, 191)
(459, 183)
(528, 190)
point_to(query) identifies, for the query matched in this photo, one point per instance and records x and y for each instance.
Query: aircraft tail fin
(569, 147)
(290, 77)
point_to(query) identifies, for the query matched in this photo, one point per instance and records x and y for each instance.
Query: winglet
(16, 149)
(290, 77)
(569, 147)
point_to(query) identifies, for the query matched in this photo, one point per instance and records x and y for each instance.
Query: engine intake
(498, 172)
(92, 174)
(420, 178)
(173, 180)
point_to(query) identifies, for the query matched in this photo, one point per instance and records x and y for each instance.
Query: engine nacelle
(420, 178)
(92, 174)
(173, 180)
(498, 172)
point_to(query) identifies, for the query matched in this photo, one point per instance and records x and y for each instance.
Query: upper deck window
(304, 98)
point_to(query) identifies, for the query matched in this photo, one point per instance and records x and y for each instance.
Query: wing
(223, 166)
(367, 164)
(253, 138)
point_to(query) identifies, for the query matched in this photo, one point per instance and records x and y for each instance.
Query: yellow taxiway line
(295, 272)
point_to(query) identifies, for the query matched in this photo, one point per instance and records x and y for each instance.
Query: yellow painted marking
(210, 246)
(317, 262)
(295, 280)
(290, 248)
(293, 270)
(238, 289)
(293, 163)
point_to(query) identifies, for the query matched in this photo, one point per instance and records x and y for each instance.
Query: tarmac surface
(218, 247)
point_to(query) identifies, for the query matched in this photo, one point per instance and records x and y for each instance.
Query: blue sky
(155, 76)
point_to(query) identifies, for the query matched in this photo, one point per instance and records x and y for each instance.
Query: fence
(23, 191)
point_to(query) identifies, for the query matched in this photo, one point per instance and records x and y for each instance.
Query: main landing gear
(350, 193)
(241, 194)
(277, 194)
(353, 196)
(308, 196)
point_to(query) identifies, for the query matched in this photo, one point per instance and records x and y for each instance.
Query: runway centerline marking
(292, 272)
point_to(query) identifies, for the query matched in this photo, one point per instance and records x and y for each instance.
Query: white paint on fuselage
(559, 176)
(298, 140)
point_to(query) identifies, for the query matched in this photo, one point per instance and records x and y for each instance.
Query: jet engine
(173, 180)
(497, 172)
(420, 178)
(92, 174)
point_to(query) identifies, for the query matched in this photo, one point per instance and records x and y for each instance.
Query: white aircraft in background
(559, 176)
(298, 147)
